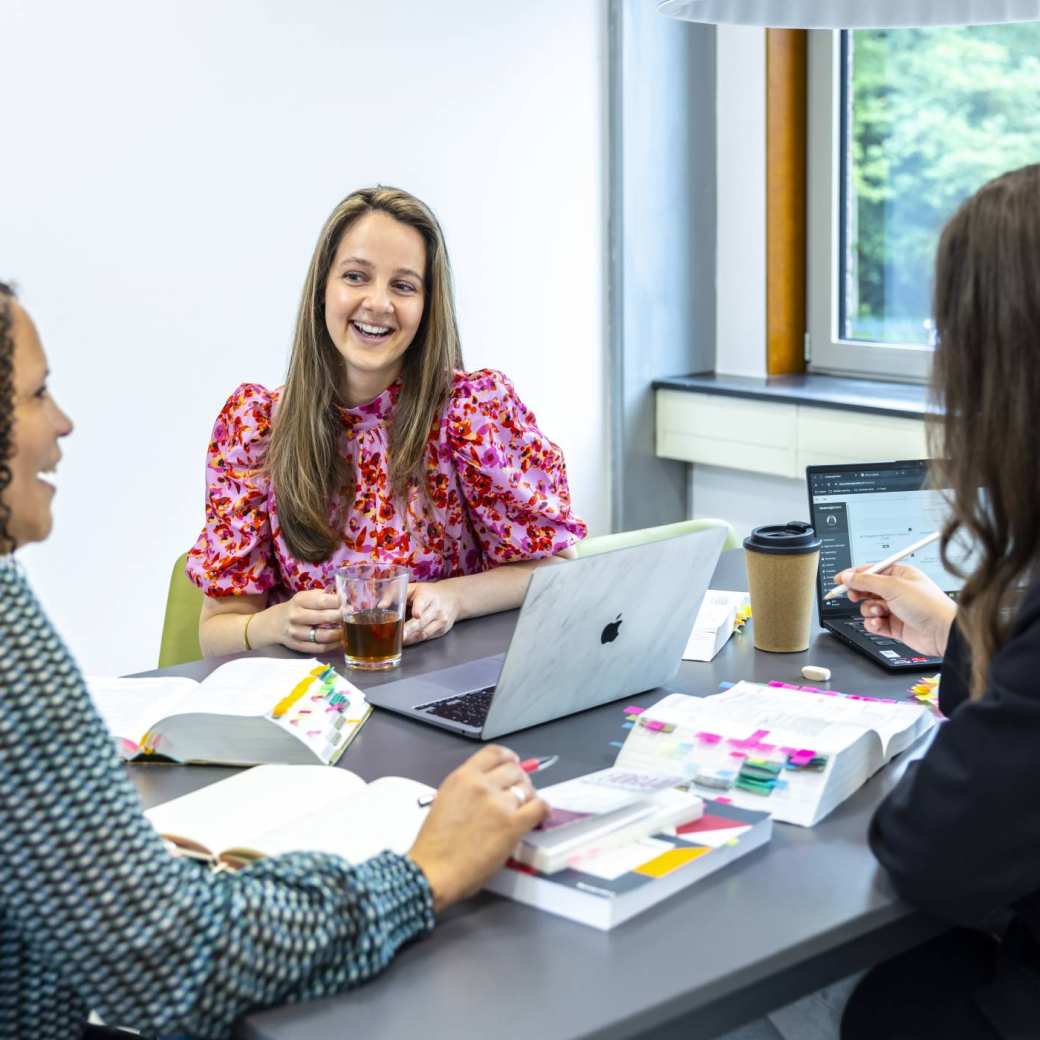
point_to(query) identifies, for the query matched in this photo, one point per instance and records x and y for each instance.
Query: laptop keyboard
(468, 708)
(891, 649)
(857, 624)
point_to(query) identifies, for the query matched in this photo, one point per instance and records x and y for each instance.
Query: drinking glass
(372, 599)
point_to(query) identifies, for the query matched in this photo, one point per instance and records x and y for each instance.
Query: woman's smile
(374, 300)
(370, 332)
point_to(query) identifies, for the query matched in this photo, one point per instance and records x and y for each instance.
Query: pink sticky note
(633, 709)
(655, 725)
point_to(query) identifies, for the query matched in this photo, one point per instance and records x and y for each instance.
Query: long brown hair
(304, 461)
(6, 410)
(986, 377)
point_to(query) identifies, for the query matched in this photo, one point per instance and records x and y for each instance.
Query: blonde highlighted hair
(304, 460)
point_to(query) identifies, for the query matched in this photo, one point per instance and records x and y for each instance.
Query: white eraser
(816, 673)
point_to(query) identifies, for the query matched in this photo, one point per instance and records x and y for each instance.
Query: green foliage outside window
(932, 114)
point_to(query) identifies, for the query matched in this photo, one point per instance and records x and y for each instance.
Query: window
(903, 125)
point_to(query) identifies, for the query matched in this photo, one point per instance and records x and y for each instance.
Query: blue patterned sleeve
(95, 914)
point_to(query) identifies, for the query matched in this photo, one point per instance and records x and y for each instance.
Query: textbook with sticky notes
(274, 809)
(795, 752)
(609, 884)
(603, 810)
(249, 711)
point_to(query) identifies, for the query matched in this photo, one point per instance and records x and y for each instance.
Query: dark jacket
(960, 834)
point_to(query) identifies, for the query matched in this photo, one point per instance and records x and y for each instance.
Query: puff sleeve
(512, 477)
(233, 555)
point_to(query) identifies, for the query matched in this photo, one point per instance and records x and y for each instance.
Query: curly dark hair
(7, 294)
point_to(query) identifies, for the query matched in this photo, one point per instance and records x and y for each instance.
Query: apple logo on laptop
(610, 633)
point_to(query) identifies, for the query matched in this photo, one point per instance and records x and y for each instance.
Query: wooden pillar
(786, 51)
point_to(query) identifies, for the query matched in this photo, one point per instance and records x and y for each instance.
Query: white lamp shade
(852, 14)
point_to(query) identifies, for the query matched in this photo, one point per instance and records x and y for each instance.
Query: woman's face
(374, 300)
(38, 426)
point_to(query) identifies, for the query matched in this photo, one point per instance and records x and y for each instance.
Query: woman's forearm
(223, 625)
(501, 588)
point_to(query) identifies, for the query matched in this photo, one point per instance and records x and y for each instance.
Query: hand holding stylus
(878, 568)
(904, 604)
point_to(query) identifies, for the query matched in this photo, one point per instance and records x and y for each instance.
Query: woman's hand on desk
(433, 608)
(903, 604)
(481, 811)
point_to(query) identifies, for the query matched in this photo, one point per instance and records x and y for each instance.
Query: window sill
(875, 397)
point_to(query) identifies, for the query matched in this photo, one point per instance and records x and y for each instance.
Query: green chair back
(180, 631)
(624, 539)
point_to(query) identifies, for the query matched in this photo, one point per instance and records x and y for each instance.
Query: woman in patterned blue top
(95, 914)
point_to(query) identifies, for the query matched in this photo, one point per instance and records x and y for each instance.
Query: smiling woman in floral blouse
(380, 447)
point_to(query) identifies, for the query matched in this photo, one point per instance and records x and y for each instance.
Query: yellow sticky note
(668, 861)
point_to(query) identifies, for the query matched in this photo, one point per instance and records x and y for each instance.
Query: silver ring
(314, 633)
(520, 793)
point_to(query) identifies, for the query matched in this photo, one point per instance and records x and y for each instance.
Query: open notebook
(249, 711)
(794, 752)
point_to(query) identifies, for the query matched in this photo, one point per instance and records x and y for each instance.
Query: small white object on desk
(721, 612)
(816, 673)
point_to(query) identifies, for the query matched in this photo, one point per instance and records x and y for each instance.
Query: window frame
(827, 352)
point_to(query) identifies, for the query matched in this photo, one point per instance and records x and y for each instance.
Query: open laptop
(863, 513)
(590, 631)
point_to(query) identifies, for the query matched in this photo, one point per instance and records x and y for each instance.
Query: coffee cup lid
(792, 538)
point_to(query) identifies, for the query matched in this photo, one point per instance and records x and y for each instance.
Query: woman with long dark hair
(960, 835)
(379, 448)
(95, 914)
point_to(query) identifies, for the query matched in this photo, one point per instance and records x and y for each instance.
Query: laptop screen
(864, 513)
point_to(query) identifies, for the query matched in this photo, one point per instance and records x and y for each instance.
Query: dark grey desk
(809, 908)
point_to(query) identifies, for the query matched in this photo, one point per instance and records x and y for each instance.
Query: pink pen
(528, 765)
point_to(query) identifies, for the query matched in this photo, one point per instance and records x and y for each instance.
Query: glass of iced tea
(372, 599)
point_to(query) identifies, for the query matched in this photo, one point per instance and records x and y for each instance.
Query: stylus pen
(877, 568)
(528, 765)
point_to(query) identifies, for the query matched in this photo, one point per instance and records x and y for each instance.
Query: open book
(274, 809)
(249, 711)
(794, 752)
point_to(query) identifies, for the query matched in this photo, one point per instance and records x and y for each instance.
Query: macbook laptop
(590, 631)
(864, 513)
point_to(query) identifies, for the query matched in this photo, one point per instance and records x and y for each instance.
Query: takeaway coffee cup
(781, 569)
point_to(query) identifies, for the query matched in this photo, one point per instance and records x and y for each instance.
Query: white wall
(745, 499)
(740, 81)
(166, 171)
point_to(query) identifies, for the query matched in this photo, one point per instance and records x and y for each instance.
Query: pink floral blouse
(497, 494)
